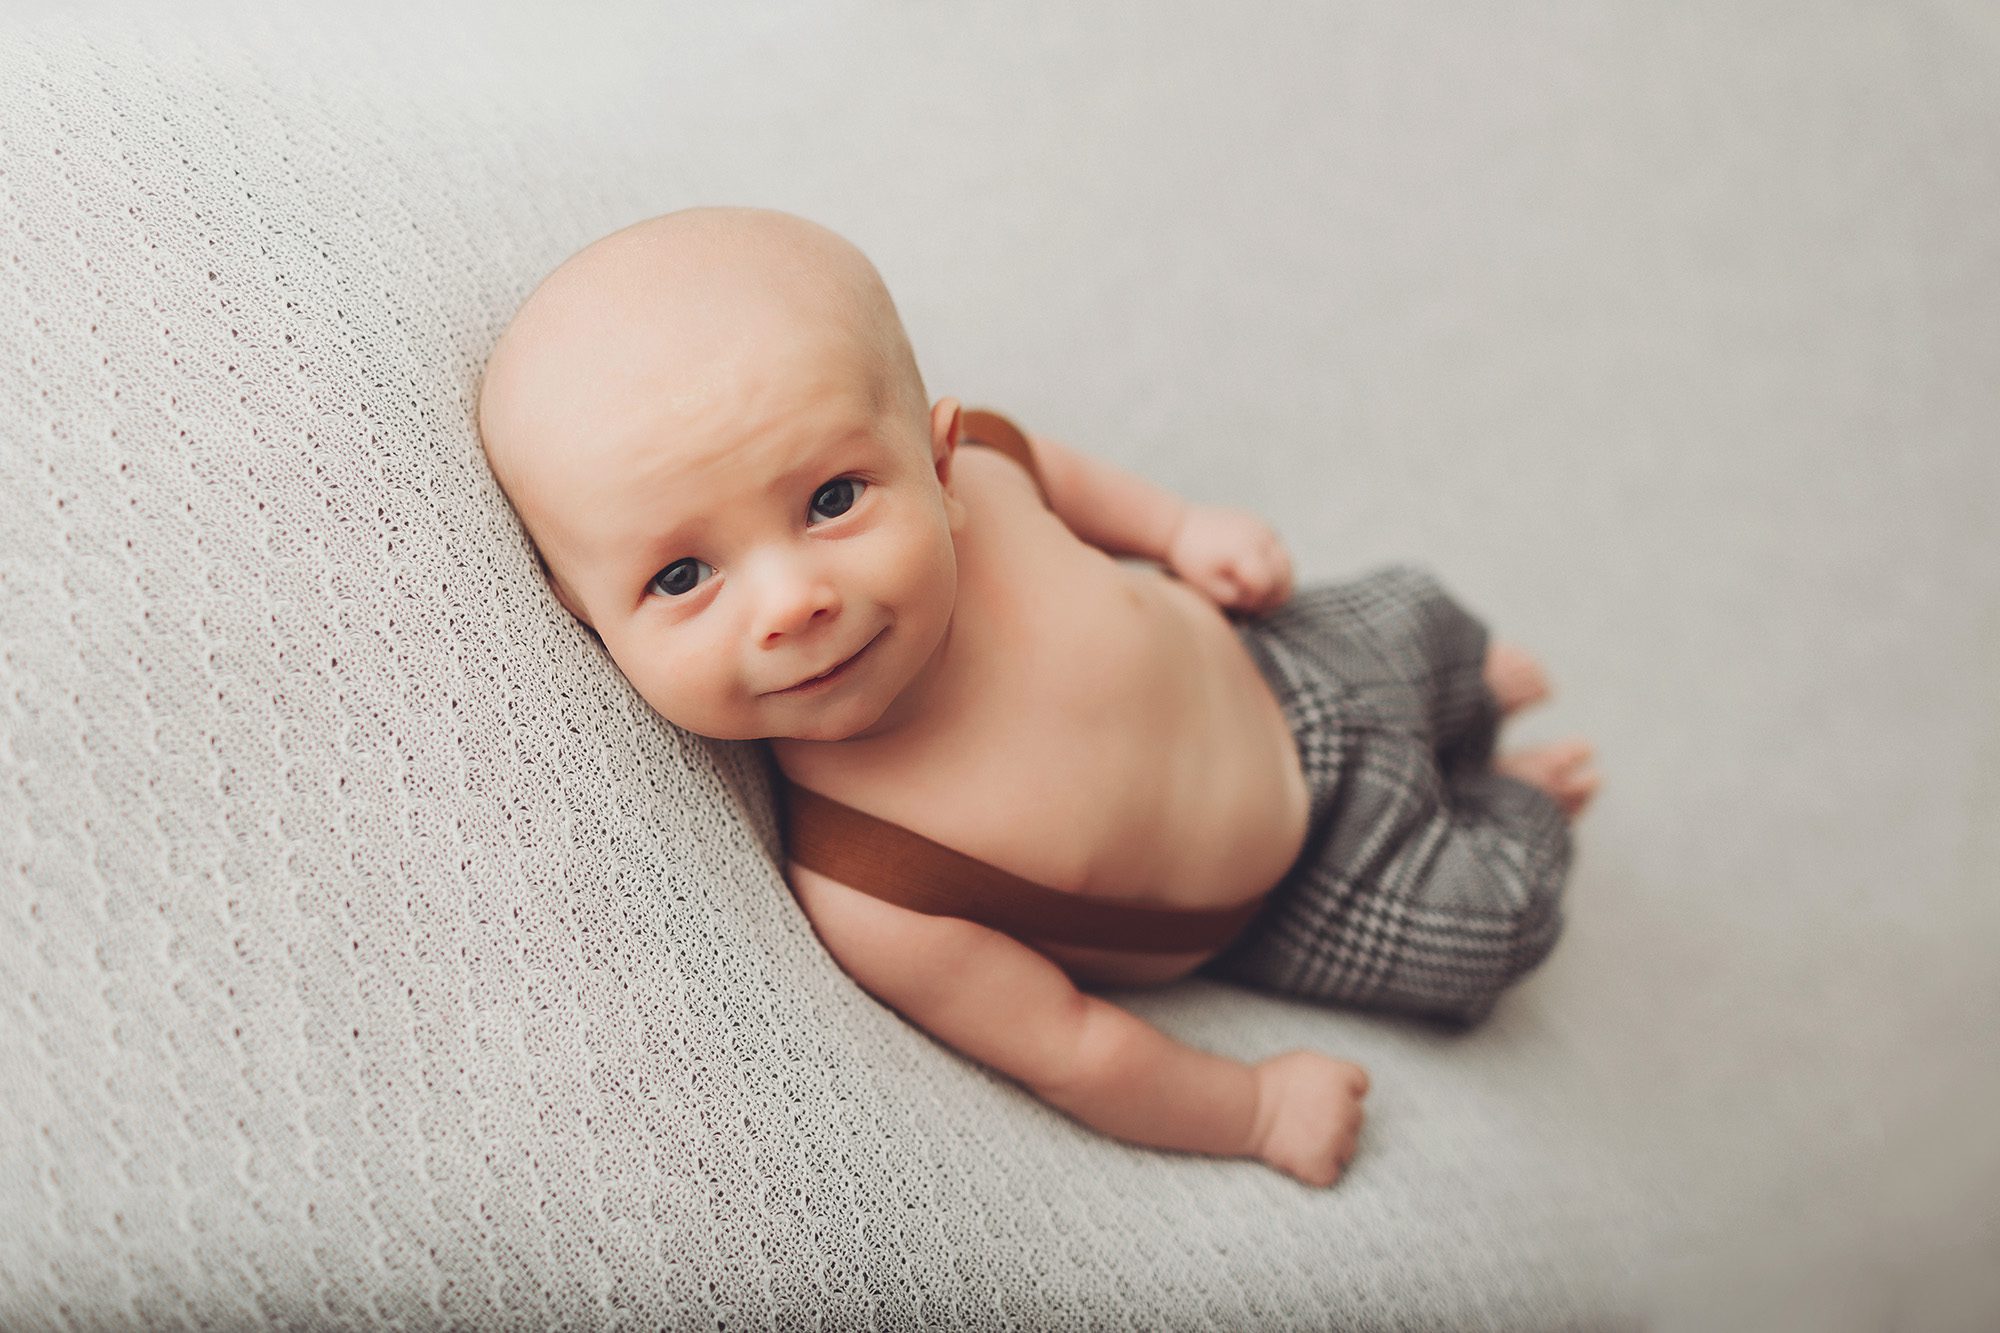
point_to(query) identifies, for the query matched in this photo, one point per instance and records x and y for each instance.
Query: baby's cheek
(925, 561)
(679, 687)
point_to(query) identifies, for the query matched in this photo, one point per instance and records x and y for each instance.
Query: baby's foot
(1562, 770)
(1515, 678)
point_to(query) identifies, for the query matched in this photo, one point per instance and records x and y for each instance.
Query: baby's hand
(1308, 1114)
(1233, 556)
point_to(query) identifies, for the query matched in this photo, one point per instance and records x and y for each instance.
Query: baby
(713, 429)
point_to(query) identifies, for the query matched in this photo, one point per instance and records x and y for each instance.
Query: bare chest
(1102, 732)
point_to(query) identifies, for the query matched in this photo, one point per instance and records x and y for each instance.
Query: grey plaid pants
(1428, 882)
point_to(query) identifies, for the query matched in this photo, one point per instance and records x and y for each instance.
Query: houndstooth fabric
(1428, 883)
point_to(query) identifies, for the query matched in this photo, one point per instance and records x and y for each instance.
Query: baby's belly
(1214, 802)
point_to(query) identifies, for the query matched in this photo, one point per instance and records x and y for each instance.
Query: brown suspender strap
(890, 862)
(979, 426)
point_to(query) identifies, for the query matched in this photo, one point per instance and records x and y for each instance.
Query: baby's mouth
(832, 673)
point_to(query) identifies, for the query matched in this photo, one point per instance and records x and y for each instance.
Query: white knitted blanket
(370, 954)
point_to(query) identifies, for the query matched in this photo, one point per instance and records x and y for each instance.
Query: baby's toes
(1577, 789)
(1556, 768)
(1569, 757)
(1515, 678)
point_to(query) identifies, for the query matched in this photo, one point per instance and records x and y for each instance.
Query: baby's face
(727, 558)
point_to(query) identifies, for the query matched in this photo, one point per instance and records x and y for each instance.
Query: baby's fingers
(1229, 589)
(1266, 578)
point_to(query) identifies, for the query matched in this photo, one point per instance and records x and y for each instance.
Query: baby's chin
(832, 724)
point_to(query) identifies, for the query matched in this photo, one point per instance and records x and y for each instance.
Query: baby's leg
(1485, 876)
(1397, 638)
(1471, 893)
(1419, 895)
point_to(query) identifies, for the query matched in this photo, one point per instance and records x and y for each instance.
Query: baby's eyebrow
(820, 456)
(657, 549)
(653, 547)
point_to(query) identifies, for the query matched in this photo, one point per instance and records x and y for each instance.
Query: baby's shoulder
(994, 475)
(978, 425)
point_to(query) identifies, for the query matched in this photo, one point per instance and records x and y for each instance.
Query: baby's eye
(679, 577)
(837, 497)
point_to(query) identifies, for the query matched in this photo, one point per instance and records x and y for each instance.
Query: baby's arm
(1110, 508)
(1230, 554)
(999, 1002)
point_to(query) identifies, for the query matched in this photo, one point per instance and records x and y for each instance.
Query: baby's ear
(945, 425)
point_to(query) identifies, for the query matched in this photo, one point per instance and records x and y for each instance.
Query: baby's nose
(793, 599)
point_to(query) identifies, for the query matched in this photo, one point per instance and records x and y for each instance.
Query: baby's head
(712, 426)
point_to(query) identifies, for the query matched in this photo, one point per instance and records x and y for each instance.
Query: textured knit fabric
(1428, 883)
(371, 956)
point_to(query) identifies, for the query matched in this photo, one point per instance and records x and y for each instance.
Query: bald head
(670, 324)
